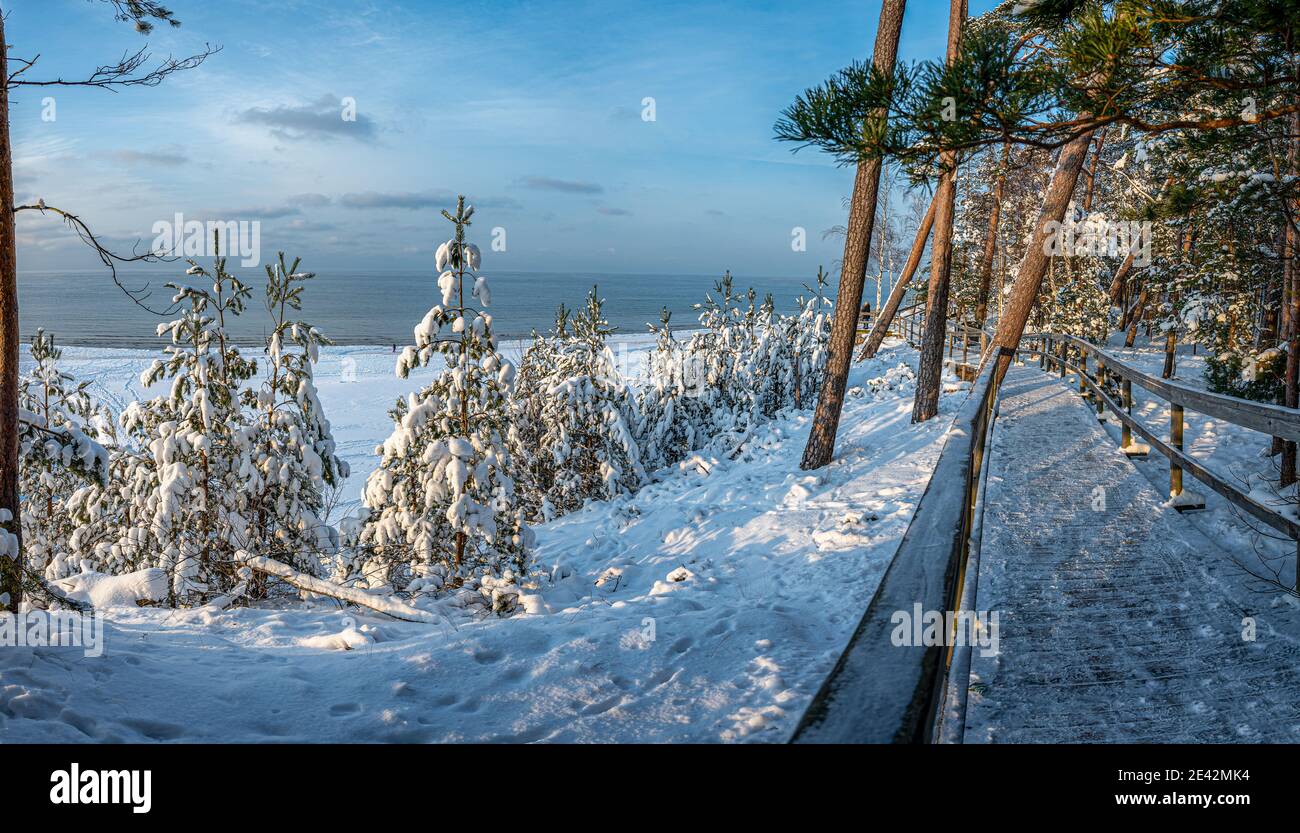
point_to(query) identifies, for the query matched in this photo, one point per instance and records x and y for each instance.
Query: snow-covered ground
(707, 607)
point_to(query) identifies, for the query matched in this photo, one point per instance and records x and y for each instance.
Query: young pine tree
(60, 457)
(190, 487)
(588, 417)
(672, 413)
(293, 463)
(536, 471)
(442, 507)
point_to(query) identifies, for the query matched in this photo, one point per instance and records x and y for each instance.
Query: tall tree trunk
(857, 249)
(991, 242)
(930, 370)
(1291, 273)
(885, 316)
(1029, 277)
(10, 571)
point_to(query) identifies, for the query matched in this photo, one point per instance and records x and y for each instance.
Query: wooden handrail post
(1132, 449)
(984, 342)
(1083, 373)
(1175, 440)
(1065, 351)
(1101, 386)
(1046, 346)
(1181, 500)
(965, 347)
(1126, 433)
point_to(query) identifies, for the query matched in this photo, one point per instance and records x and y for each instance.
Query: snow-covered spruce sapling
(587, 417)
(59, 455)
(441, 506)
(192, 481)
(292, 461)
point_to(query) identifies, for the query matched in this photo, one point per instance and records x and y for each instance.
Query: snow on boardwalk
(1123, 624)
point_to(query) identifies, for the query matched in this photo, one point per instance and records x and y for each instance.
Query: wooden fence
(1108, 383)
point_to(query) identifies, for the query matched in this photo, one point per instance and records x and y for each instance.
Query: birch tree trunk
(930, 370)
(1029, 277)
(10, 571)
(853, 274)
(885, 316)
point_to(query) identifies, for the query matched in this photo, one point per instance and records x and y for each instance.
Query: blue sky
(533, 109)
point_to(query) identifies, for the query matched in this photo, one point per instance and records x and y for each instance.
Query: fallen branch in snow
(311, 584)
(54, 593)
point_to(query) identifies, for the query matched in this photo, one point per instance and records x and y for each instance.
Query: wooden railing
(1109, 385)
(881, 692)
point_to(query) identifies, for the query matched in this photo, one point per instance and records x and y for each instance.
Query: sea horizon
(82, 307)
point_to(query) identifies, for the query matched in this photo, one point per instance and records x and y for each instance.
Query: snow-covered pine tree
(293, 463)
(536, 471)
(809, 335)
(588, 417)
(60, 457)
(672, 415)
(441, 507)
(189, 488)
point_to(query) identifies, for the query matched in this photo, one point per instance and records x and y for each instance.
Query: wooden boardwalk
(1118, 620)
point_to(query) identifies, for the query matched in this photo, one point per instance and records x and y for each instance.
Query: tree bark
(853, 274)
(1029, 277)
(10, 570)
(885, 316)
(991, 242)
(1291, 276)
(1135, 316)
(1171, 352)
(1117, 283)
(1092, 172)
(930, 368)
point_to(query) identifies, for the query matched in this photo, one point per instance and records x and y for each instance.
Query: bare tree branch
(129, 71)
(110, 258)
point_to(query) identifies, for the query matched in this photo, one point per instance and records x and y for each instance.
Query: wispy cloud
(265, 212)
(170, 158)
(614, 212)
(546, 183)
(403, 199)
(310, 200)
(320, 119)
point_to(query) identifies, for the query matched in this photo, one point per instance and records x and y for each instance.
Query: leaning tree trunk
(1135, 317)
(853, 274)
(929, 377)
(991, 242)
(885, 316)
(10, 570)
(1117, 283)
(1029, 277)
